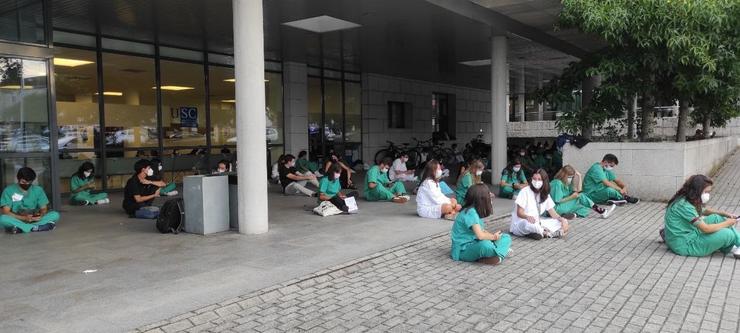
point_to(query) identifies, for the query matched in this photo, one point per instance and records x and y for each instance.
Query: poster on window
(188, 116)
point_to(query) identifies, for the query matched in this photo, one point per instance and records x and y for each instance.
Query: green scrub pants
(6, 221)
(507, 192)
(706, 244)
(80, 197)
(581, 206)
(487, 249)
(382, 193)
(604, 194)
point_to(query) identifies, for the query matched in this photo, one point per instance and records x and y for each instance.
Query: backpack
(171, 216)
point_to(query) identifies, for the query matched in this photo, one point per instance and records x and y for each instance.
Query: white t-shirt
(399, 166)
(527, 199)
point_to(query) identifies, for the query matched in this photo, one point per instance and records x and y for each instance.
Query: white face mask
(221, 170)
(337, 175)
(609, 167)
(384, 170)
(478, 173)
(705, 197)
(87, 174)
(537, 184)
(438, 174)
(522, 154)
(516, 168)
(149, 172)
(570, 179)
(159, 167)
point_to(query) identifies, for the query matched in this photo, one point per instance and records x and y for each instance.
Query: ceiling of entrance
(410, 38)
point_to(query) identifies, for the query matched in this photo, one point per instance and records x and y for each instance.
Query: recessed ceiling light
(64, 62)
(481, 62)
(175, 88)
(228, 101)
(321, 24)
(234, 80)
(15, 87)
(111, 93)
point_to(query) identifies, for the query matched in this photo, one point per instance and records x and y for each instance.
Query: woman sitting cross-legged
(430, 201)
(531, 204)
(694, 230)
(331, 190)
(82, 184)
(470, 241)
(569, 203)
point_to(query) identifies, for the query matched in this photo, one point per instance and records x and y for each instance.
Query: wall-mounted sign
(188, 116)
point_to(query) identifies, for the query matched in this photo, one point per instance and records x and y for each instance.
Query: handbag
(326, 208)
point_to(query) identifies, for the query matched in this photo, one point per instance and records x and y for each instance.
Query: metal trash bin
(206, 204)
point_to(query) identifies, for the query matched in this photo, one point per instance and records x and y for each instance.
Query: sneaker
(400, 200)
(87, 203)
(103, 201)
(616, 202)
(569, 216)
(598, 209)
(13, 230)
(662, 235)
(736, 252)
(608, 211)
(46, 227)
(172, 193)
(631, 200)
(556, 234)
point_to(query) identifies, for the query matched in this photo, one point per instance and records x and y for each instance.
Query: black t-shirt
(135, 187)
(284, 172)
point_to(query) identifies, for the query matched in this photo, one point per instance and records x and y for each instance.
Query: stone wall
(654, 171)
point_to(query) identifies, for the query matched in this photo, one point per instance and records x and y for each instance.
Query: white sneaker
(103, 201)
(172, 193)
(736, 252)
(608, 211)
(405, 197)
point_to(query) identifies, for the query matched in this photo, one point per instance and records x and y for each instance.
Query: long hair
(544, 191)
(479, 198)
(692, 190)
(87, 165)
(473, 168)
(430, 171)
(564, 173)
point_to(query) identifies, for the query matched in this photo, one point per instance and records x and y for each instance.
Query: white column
(540, 106)
(251, 147)
(520, 90)
(499, 75)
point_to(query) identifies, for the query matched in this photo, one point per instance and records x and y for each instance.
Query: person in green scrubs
(24, 206)
(693, 230)
(81, 185)
(602, 186)
(470, 177)
(512, 180)
(304, 165)
(330, 188)
(569, 203)
(470, 240)
(379, 188)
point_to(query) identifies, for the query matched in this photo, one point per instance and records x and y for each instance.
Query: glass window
(76, 81)
(183, 104)
(333, 119)
(22, 21)
(353, 111)
(443, 119)
(314, 117)
(274, 107)
(223, 106)
(9, 169)
(24, 111)
(130, 101)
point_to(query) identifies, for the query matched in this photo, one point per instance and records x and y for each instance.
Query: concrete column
(520, 97)
(540, 106)
(295, 98)
(251, 147)
(499, 75)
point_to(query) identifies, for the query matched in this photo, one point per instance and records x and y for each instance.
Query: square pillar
(295, 101)
(499, 101)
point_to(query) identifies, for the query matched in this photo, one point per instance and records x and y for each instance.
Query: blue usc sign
(188, 116)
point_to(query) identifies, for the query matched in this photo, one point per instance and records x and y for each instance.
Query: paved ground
(608, 275)
(142, 276)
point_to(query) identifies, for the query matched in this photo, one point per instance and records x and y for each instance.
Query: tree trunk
(587, 131)
(646, 127)
(705, 125)
(631, 113)
(683, 119)
(587, 94)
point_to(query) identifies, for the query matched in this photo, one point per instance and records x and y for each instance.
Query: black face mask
(25, 187)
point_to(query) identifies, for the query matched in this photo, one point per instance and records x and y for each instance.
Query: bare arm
(481, 234)
(144, 198)
(710, 211)
(611, 184)
(712, 228)
(297, 177)
(25, 218)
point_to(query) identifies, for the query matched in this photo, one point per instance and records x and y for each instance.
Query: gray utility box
(206, 204)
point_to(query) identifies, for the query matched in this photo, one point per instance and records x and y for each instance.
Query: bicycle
(394, 152)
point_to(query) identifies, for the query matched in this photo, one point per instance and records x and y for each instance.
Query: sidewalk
(608, 275)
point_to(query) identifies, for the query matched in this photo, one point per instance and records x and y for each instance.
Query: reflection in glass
(353, 119)
(274, 107)
(76, 81)
(24, 111)
(183, 104)
(333, 120)
(314, 117)
(22, 21)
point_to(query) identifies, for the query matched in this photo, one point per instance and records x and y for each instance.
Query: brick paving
(608, 275)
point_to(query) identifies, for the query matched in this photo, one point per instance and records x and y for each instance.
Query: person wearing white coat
(533, 201)
(430, 201)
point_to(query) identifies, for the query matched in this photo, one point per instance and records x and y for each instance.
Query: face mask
(383, 170)
(537, 184)
(704, 197)
(87, 174)
(608, 167)
(149, 172)
(337, 175)
(221, 170)
(438, 174)
(522, 154)
(24, 186)
(570, 180)
(159, 168)
(478, 173)
(517, 168)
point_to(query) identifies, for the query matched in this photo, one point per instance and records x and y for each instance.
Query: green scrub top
(462, 231)
(466, 181)
(304, 165)
(559, 191)
(375, 176)
(540, 161)
(510, 178)
(330, 188)
(23, 202)
(592, 182)
(77, 182)
(679, 231)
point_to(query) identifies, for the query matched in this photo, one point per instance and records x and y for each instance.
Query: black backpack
(171, 216)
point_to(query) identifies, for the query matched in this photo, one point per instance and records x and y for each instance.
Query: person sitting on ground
(222, 167)
(602, 185)
(532, 203)
(470, 240)
(275, 173)
(330, 188)
(526, 161)
(430, 201)
(399, 171)
(379, 188)
(140, 192)
(513, 180)
(294, 182)
(168, 189)
(82, 184)
(470, 177)
(345, 171)
(568, 201)
(693, 230)
(303, 165)
(24, 206)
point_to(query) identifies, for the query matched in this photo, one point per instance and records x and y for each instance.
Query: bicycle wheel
(383, 153)
(414, 159)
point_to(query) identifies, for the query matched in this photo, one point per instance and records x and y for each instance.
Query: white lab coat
(527, 199)
(429, 200)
